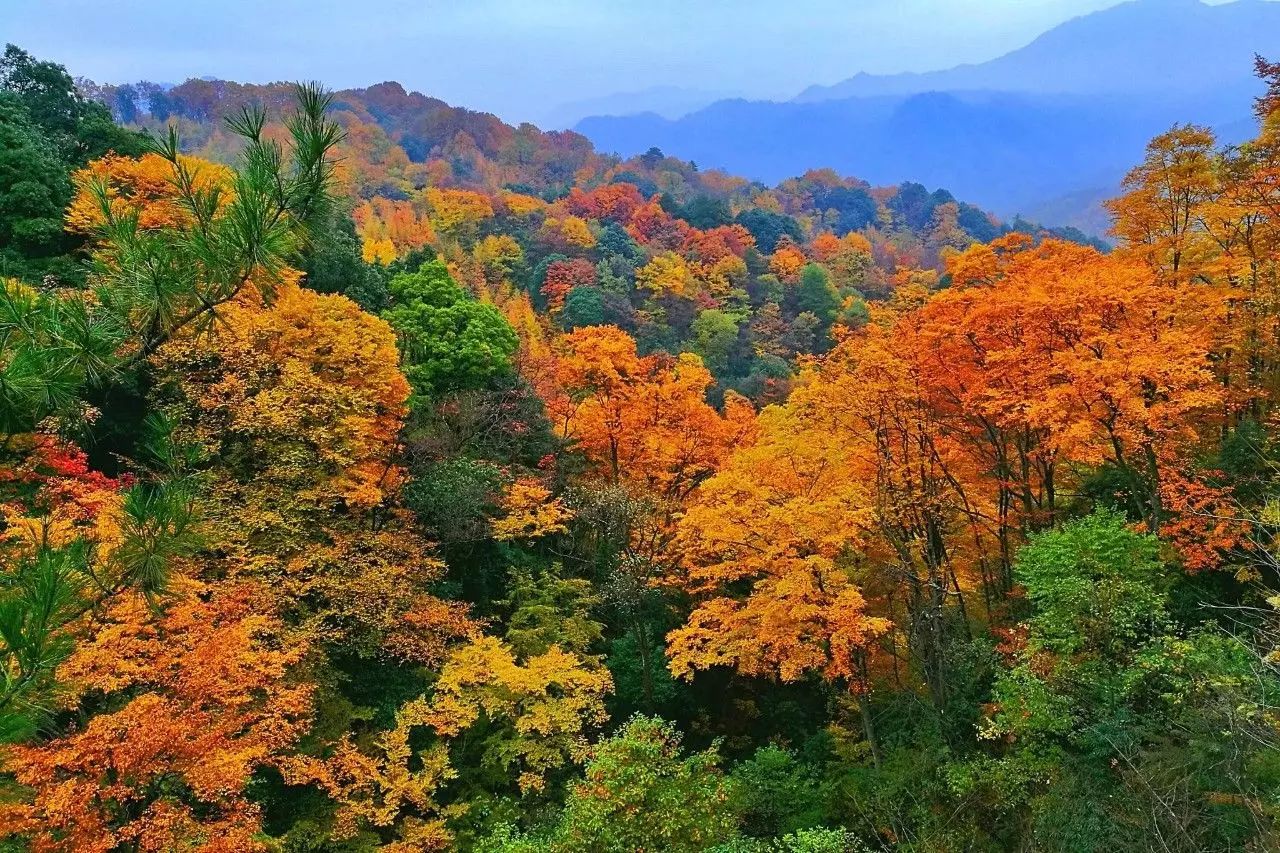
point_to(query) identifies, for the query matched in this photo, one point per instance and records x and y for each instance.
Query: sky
(521, 59)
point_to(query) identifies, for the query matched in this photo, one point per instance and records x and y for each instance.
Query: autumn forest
(379, 476)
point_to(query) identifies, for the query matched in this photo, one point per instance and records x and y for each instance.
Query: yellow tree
(386, 785)
(532, 717)
(458, 213)
(298, 407)
(543, 707)
(779, 520)
(497, 255)
(669, 274)
(1158, 215)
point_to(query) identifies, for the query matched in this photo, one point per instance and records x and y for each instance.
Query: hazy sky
(519, 58)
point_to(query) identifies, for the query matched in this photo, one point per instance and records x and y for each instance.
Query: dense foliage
(380, 477)
(681, 259)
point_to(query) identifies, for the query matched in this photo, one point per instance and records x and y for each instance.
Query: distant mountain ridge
(1138, 46)
(667, 101)
(1046, 128)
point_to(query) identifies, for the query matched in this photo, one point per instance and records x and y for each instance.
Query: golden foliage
(781, 516)
(641, 419)
(305, 392)
(531, 512)
(550, 701)
(142, 187)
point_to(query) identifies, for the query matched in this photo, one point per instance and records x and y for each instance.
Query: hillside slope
(750, 276)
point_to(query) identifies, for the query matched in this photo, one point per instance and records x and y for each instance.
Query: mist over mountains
(1046, 130)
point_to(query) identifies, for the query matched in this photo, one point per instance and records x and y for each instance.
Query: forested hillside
(378, 476)
(679, 258)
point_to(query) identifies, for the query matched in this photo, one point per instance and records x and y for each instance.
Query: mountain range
(1047, 130)
(667, 101)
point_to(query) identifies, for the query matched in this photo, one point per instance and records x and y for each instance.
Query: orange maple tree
(641, 419)
(207, 697)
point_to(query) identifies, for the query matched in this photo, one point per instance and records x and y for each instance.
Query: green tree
(81, 129)
(614, 241)
(855, 314)
(769, 227)
(715, 336)
(804, 841)
(454, 497)
(333, 264)
(1098, 589)
(547, 609)
(1115, 727)
(584, 306)
(47, 130)
(816, 295)
(640, 793)
(449, 340)
(35, 188)
(776, 794)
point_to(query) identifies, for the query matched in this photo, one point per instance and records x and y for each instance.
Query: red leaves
(612, 202)
(564, 276)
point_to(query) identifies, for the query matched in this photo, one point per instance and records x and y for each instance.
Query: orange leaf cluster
(207, 701)
(639, 419)
(143, 187)
(564, 276)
